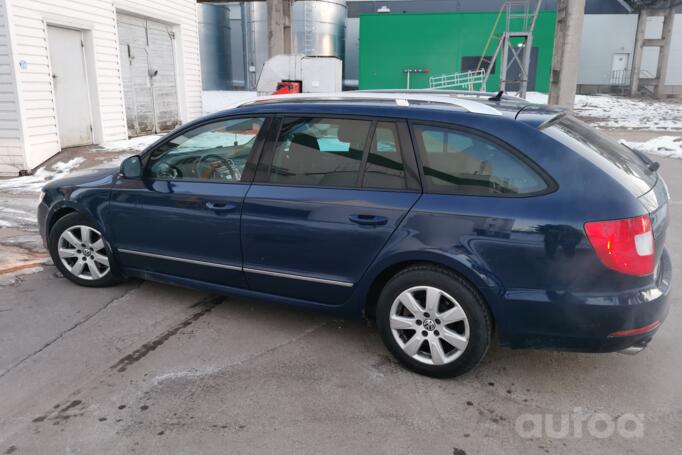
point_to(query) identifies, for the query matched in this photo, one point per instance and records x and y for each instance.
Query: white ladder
(517, 43)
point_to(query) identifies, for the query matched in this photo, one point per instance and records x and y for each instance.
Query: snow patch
(136, 144)
(535, 97)
(668, 146)
(217, 100)
(619, 112)
(606, 111)
(33, 183)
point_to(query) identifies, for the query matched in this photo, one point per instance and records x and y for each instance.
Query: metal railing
(620, 77)
(468, 79)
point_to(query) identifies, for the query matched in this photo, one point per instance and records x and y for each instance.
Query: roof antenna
(497, 97)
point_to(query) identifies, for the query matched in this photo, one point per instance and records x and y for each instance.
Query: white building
(80, 72)
(608, 43)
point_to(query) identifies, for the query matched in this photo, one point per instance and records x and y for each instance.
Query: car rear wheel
(81, 253)
(433, 321)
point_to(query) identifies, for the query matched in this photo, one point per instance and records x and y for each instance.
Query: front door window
(215, 151)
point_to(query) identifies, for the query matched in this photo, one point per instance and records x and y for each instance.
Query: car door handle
(368, 220)
(221, 207)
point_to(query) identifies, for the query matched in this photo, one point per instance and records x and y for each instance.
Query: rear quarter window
(620, 162)
(455, 161)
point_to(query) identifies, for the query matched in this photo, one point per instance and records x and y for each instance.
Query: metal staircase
(516, 41)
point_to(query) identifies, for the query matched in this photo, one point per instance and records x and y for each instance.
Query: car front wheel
(433, 321)
(80, 252)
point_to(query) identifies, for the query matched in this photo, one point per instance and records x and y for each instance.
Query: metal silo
(214, 30)
(319, 27)
(256, 39)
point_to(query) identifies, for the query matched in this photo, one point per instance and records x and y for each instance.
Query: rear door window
(320, 152)
(385, 167)
(455, 161)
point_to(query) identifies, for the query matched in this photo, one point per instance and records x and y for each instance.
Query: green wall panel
(390, 43)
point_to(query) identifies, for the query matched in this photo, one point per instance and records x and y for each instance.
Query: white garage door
(148, 71)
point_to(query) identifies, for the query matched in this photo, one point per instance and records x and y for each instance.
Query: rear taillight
(626, 246)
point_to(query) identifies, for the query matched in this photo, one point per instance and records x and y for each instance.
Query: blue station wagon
(449, 219)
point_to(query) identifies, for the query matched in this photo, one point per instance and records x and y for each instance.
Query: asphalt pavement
(146, 368)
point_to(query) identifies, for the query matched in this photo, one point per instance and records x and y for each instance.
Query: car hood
(83, 177)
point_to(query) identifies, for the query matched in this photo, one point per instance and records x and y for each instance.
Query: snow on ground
(606, 111)
(636, 113)
(668, 146)
(136, 144)
(217, 100)
(33, 183)
(23, 214)
(535, 97)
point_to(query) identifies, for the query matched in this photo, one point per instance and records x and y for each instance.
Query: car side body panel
(528, 256)
(308, 233)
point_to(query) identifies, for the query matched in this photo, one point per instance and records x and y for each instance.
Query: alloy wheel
(429, 325)
(82, 251)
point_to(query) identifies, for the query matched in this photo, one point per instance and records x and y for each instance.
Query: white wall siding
(11, 144)
(97, 19)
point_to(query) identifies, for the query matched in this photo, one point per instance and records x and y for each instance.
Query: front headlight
(41, 197)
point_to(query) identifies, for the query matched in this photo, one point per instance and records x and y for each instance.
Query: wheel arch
(486, 285)
(57, 215)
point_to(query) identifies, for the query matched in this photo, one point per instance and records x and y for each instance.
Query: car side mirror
(131, 167)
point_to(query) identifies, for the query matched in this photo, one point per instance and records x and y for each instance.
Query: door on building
(72, 99)
(619, 69)
(147, 51)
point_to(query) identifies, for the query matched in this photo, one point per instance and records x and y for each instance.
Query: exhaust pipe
(636, 348)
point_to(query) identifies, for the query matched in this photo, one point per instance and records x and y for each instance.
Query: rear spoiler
(651, 164)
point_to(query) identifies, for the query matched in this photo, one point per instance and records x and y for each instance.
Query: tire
(68, 249)
(445, 342)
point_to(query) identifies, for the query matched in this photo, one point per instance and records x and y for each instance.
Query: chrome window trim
(237, 268)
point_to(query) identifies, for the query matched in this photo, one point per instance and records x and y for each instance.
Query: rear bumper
(584, 322)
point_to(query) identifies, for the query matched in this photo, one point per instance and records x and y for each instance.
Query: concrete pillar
(279, 27)
(662, 43)
(637, 55)
(569, 28)
(664, 53)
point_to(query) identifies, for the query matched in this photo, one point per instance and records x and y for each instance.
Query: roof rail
(443, 92)
(401, 98)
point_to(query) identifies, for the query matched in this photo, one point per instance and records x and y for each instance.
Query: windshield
(624, 164)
